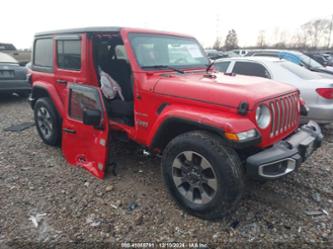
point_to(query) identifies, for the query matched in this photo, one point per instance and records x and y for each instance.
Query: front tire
(204, 176)
(47, 121)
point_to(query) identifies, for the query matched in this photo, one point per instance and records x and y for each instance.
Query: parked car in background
(295, 57)
(315, 90)
(13, 77)
(320, 58)
(329, 58)
(7, 47)
(240, 52)
(213, 54)
(324, 59)
(229, 54)
(21, 56)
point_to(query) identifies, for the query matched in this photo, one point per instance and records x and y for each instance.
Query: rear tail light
(327, 93)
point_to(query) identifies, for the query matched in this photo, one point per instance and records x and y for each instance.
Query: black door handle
(69, 130)
(62, 81)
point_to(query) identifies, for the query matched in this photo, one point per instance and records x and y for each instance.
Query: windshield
(5, 58)
(310, 62)
(299, 71)
(153, 51)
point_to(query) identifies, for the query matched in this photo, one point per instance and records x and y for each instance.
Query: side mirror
(92, 117)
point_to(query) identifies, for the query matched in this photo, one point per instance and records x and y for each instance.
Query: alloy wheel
(194, 177)
(44, 122)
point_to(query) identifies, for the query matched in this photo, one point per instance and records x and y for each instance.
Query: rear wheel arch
(38, 92)
(173, 127)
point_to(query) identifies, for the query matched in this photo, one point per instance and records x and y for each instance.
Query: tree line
(314, 34)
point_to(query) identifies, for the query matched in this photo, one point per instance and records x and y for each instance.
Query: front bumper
(285, 156)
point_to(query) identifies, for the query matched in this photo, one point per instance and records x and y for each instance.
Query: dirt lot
(68, 204)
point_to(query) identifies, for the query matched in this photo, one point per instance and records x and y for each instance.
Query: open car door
(85, 129)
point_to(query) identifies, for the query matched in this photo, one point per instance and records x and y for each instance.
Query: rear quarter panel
(52, 92)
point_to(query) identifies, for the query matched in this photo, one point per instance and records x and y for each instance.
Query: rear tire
(47, 121)
(211, 190)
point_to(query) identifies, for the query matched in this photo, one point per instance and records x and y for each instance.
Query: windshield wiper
(210, 65)
(165, 67)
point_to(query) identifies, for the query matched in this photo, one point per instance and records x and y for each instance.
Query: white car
(316, 91)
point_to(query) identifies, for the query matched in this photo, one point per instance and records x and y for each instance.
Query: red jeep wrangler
(211, 129)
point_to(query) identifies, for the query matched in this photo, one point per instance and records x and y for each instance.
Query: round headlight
(263, 116)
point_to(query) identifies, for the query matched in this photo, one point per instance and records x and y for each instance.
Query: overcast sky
(20, 19)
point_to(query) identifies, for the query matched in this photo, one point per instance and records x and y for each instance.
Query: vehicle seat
(120, 71)
(102, 56)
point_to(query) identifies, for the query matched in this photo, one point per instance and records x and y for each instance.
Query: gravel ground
(44, 200)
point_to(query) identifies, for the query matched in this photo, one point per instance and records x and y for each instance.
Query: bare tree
(298, 40)
(280, 45)
(281, 38)
(330, 33)
(261, 40)
(317, 31)
(217, 44)
(276, 35)
(284, 37)
(231, 41)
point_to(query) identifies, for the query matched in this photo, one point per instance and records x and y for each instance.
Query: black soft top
(78, 31)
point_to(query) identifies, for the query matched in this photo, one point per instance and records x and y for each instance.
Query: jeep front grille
(284, 113)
